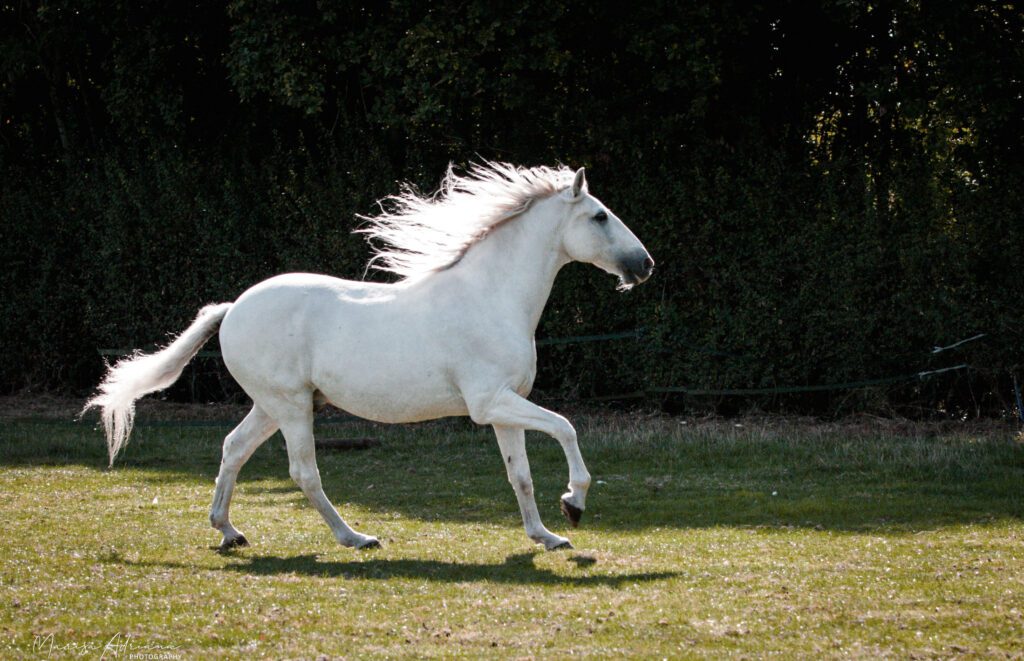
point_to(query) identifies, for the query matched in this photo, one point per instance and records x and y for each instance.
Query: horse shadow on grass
(518, 568)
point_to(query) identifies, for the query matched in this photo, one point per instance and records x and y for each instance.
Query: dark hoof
(572, 513)
(234, 543)
(564, 546)
(372, 544)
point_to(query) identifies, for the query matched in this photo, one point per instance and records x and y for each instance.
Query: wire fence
(638, 334)
(645, 393)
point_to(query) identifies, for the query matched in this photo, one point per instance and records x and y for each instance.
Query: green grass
(700, 540)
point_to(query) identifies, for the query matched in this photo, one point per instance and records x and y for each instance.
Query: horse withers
(453, 337)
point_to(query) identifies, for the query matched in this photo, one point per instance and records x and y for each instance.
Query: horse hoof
(233, 543)
(564, 546)
(571, 512)
(371, 543)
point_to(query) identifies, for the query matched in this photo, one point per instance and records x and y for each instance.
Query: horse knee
(230, 467)
(233, 456)
(567, 433)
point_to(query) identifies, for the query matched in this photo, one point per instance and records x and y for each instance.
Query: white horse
(453, 337)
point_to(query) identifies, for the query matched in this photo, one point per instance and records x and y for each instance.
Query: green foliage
(829, 190)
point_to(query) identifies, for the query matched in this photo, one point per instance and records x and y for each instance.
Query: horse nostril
(648, 265)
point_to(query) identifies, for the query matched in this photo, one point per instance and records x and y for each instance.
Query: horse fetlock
(580, 486)
(576, 497)
(237, 541)
(550, 540)
(359, 541)
(557, 543)
(219, 521)
(571, 512)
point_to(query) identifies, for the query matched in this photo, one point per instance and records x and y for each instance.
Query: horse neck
(514, 267)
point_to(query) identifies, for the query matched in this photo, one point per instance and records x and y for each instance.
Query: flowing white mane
(417, 235)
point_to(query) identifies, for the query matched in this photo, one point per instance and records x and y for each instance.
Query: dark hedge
(830, 188)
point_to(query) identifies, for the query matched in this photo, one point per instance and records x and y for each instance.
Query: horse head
(594, 235)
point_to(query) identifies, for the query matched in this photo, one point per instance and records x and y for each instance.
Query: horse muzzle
(637, 269)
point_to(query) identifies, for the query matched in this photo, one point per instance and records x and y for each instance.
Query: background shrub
(830, 189)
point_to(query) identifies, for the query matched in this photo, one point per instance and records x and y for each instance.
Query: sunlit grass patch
(700, 539)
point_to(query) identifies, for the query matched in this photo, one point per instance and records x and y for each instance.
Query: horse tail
(140, 374)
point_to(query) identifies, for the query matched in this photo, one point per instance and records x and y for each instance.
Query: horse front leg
(509, 409)
(512, 442)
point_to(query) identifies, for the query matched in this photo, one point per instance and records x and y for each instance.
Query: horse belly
(387, 398)
(387, 377)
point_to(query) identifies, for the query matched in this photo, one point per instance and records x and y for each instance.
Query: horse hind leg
(298, 434)
(239, 445)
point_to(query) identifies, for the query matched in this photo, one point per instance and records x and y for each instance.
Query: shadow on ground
(516, 569)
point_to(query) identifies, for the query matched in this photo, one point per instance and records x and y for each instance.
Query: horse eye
(600, 216)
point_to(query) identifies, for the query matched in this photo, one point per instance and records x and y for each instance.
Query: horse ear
(579, 184)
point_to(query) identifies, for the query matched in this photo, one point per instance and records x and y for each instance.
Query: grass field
(700, 540)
